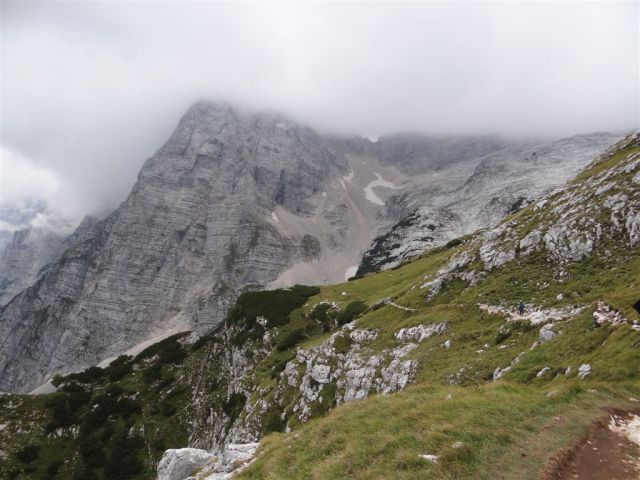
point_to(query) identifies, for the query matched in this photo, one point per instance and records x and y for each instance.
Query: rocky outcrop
(180, 463)
(197, 464)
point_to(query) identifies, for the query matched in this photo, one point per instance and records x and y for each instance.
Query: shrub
(65, 406)
(290, 339)
(84, 474)
(123, 461)
(320, 312)
(28, 453)
(342, 343)
(502, 335)
(92, 452)
(279, 366)
(167, 408)
(353, 310)
(234, 405)
(152, 373)
(453, 243)
(203, 340)
(272, 421)
(53, 468)
(274, 305)
(120, 367)
(170, 349)
(90, 375)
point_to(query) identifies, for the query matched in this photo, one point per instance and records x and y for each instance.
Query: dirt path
(611, 451)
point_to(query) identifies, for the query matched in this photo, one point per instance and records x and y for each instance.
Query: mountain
(501, 183)
(30, 250)
(423, 371)
(237, 201)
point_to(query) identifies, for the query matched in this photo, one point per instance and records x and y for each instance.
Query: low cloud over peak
(89, 90)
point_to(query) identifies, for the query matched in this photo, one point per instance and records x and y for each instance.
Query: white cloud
(32, 195)
(90, 89)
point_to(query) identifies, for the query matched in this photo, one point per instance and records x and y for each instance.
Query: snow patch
(275, 217)
(351, 271)
(379, 182)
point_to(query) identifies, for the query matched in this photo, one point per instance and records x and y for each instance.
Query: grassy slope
(509, 428)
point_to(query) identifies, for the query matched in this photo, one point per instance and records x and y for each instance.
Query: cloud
(33, 195)
(89, 90)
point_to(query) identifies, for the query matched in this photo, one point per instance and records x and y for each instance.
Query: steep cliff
(29, 251)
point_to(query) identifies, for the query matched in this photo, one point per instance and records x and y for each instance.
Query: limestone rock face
(29, 251)
(459, 197)
(178, 464)
(196, 229)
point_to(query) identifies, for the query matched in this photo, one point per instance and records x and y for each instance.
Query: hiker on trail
(521, 308)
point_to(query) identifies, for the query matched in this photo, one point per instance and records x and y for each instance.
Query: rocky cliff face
(196, 229)
(236, 201)
(30, 251)
(500, 183)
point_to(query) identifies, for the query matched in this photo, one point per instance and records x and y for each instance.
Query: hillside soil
(605, 453)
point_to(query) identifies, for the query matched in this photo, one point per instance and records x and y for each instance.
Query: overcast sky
(89, 90)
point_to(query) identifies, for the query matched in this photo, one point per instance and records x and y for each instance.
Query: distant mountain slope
(30, 250)
(501, 183)
(233, 201)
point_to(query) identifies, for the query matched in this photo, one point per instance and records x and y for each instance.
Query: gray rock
(584, 370)
(547, 333)
(475, 192)
(178, 464)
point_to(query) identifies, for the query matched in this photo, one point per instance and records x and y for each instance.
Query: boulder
(179, 463)
(547, 333)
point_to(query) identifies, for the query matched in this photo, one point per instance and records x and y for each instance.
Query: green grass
(506, 430)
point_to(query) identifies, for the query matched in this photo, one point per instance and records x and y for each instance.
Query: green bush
(502, 335)
(353, 310)
(167, 408)
(279, 366)
(124, 461)
(274, 305)
(204, 340)
(169, 350)
(453, 243)
(152, 373)
(272, 421)
(90, 375)
(53, 468)
(120, 367)
(92, 452)
(65, 406)
(28, 453)
(290, 339)
(234, 405)
(342, 343)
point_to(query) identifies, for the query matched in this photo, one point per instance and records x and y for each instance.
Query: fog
(89, 90)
